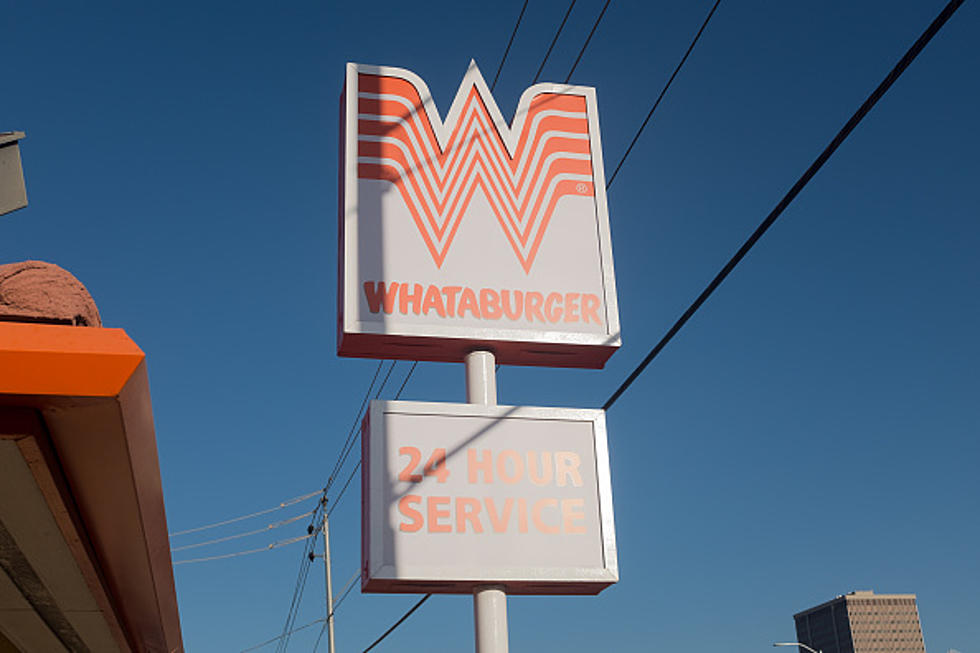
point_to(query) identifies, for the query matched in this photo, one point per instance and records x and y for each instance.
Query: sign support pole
(489, 601)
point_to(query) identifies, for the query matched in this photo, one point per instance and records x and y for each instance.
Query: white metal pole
(489, 601)
(481, 378)
(490, 616)
(326, 566)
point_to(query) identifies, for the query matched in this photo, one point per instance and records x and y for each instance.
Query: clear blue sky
(813, 430)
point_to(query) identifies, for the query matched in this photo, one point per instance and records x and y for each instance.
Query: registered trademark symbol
(582, 188)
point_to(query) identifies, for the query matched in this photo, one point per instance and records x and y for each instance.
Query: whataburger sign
(466, 234)
(459, 495)
(471, 232)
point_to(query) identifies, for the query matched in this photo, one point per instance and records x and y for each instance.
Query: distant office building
(862, 622)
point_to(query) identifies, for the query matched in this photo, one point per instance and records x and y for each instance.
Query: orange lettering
(571, 306)
(473, 466)
(467, 302)
(532, 302)
(499, 522)
(405, 508)
(590, 308)
(466, 511)
(521, 515)
(566, 468)
(433, 300)
(502, 466)
(490, 304)
(433, 503)
(415, 457)
(569, 514)
(539, 505)
(553, 313)
(450, 293)
(436, 466)
(415, 298)
(518, 304)
(540, 475)
(377, 297)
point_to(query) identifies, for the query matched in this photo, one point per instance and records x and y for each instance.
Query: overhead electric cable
(343, 595)
(305, 562)
(350, 477)
(352, 439)
(414, 364)
(509, 43)
(385, 381)
(274, 545)
(588, 38)
(301, 577)
(553, 41)
(353, 428)
(848, 127)
(284, 504)
(398, 623)
(663, 92)
(407, 377)
(347, 590)
(276, 639)
(304, 573)
(344, 489)
(862, 111)
(269, 527)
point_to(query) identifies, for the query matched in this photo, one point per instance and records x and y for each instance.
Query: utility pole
(326, 568)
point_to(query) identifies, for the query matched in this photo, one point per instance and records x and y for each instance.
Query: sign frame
(517, 579)
(389, 338)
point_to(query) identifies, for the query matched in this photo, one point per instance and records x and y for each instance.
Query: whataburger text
(481, 303)
(441, 513)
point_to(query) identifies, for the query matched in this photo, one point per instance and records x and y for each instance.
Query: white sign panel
(460, 495)
(472, 230)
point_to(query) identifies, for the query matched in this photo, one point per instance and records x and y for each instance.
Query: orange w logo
(523, 170)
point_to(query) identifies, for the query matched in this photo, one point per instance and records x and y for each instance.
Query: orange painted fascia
(46, 360)
(91, 388)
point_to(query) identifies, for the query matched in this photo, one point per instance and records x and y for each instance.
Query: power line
(305, 564)
(407, 377)
(414, 364)
(344, 489)
(347, 590)
(350, 477)
(553, 41)
(274, 545)
(509, 43)
(240, 535)
(298, 591)
(862, 111)
(350, 586)
(353, 428)
(848, 127)
(352, 436)
(588, 38)
(662, 93)
(398, 623)
(301, 577)
(284, 504)
(276, 639)
(343, 595)
(385, 382)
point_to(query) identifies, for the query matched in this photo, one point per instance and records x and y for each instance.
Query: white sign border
(519, 580)
(349, 284)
